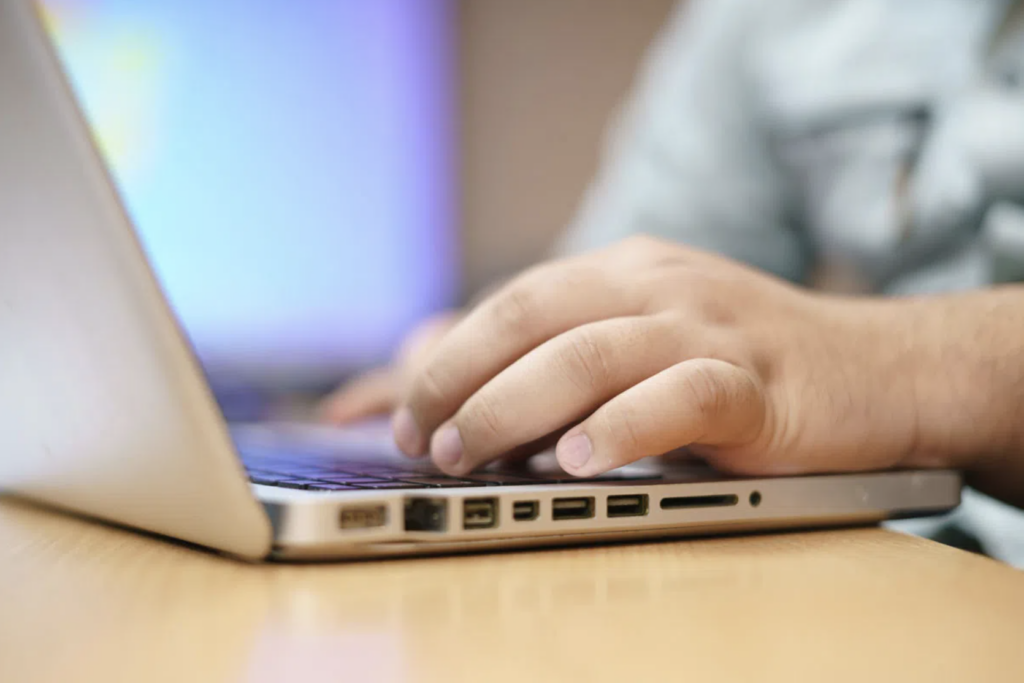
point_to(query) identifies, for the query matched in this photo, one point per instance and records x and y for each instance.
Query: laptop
(105, 410)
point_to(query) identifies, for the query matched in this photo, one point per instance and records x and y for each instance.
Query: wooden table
(85, 602)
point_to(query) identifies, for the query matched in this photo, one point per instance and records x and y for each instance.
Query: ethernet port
(426, 514)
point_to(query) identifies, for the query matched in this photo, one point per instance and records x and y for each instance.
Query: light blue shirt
(885, 137)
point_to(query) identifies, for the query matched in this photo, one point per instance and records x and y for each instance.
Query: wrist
(967, 376)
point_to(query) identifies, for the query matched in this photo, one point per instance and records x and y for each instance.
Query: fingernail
(406, 432)
(446, 447)
(574, 451)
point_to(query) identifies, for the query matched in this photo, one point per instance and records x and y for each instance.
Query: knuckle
(696, 285)
(718, 312)
(701, 392)
(585, 360)
(695, 296)
(516, 307)
(430, 386)
(625, 426)
(653, 253)
(482, 417)
(581, 275)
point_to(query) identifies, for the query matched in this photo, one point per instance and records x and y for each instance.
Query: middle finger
(559, 382)
(538, 306)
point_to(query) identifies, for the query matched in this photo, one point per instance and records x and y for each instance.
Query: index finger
(535, 307)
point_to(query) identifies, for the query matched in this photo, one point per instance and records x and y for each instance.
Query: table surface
(87, 602)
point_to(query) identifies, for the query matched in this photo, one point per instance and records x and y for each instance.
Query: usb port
(479, 513)
(572, 508)
(627, 506)
(525, 510)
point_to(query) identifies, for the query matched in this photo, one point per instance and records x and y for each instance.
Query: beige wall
(539, 80)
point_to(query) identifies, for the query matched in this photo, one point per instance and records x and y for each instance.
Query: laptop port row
(429, 514)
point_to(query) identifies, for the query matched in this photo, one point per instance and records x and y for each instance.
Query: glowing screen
(288, 164)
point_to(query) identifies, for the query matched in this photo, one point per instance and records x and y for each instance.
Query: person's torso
(901, 131)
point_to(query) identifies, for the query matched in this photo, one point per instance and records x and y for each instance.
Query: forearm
(967, 354)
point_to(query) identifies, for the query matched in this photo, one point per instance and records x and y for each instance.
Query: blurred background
(312, 177)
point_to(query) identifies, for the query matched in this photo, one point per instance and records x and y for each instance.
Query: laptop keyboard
(321, 472)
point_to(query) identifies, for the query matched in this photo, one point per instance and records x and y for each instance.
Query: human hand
(649, 346)
(377, 392)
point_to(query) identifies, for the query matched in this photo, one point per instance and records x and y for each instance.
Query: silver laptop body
(105, 411)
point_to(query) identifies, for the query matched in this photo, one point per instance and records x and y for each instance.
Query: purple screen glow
(289, 165)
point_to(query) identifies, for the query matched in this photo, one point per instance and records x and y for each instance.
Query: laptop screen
(289, 166)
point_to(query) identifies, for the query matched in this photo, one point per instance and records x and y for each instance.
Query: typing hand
(648, 346)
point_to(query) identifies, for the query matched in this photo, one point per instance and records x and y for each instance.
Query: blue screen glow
(289, 165)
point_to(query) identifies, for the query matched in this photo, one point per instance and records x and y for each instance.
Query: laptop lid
(103, 407)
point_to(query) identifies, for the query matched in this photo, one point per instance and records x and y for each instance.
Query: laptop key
(354, 480)
(332, 471)
(442, 482)
(252, 471)
(318, 486)
(394, 485)
(295, 484)
(285, 472)
(500, 479)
